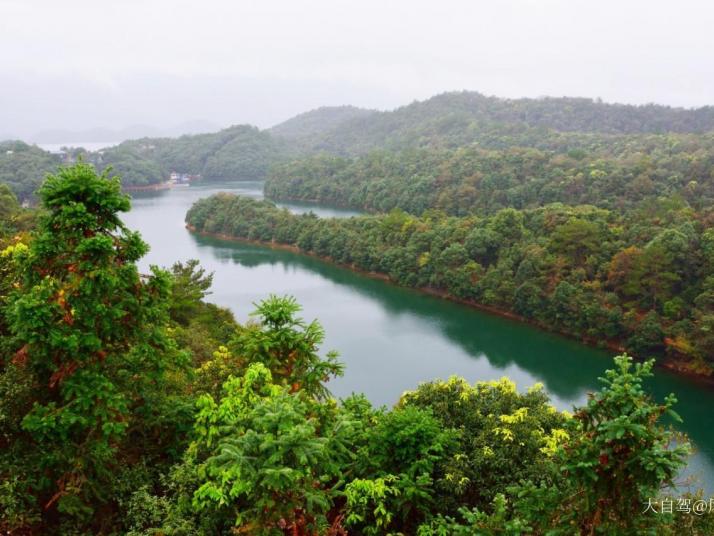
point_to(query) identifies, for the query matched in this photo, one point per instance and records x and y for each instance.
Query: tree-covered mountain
(23, 167)
(447, 122)
(135, 168)
(240, 152)
(463, 118)
(236, 153)
(308, 125)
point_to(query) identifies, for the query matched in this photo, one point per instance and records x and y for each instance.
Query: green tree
(406, 452)
(577, 239)
(288, 347)
(647, 337)
(278, 456)
(90, 333)
(505, 437)
(189, 287)
(619, 457)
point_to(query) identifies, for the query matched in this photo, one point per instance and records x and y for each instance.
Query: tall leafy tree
(278, 459)
(289, 347)
(90, 333)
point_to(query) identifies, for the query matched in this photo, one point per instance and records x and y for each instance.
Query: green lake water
(392, 338)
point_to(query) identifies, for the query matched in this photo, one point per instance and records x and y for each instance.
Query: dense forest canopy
(135, 168)
(236, 153)
(462, 118)
(24, 167)
(641, 281)
(618, 174)
(129, 405)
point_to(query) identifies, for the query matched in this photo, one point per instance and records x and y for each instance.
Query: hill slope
(319, 121)
(463, 118)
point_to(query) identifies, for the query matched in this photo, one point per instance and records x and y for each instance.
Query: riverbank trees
(622, 280)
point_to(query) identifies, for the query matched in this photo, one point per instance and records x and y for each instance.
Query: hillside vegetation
(642, 281)
(618, 174)
(464, 118)
(236, 153)
(317, 122)
(23, 167)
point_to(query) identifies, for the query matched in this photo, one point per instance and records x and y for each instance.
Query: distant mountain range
(146, 155)
(101, 134)
(462, 118)
(349, 129)
(318, 121)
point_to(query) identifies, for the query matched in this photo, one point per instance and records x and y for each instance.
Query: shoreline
(148, 187)
(343, 206)
(672, 366)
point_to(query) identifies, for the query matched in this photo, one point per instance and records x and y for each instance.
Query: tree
(90, 333)
(277, 456)
(288, 347)
(647, 336)
(618, 457)
(505, 436)
(577, 239)
(189, 286)
(623, 455)
(406, 451)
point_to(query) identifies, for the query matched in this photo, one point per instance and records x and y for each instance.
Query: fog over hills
(99, 134)
(318, 120)
(161, 102)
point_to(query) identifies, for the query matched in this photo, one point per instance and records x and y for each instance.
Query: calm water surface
(391, 338)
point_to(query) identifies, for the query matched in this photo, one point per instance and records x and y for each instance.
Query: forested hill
(238, 152)
(576, 169)
(318, 121)
(462, 118)
(641, 280)
(23, 166)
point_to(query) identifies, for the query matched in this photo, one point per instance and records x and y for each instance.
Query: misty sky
(77, 64)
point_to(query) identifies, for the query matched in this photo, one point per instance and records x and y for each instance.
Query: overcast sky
(98, 63)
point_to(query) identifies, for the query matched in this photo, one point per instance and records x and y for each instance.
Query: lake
(391, 338)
